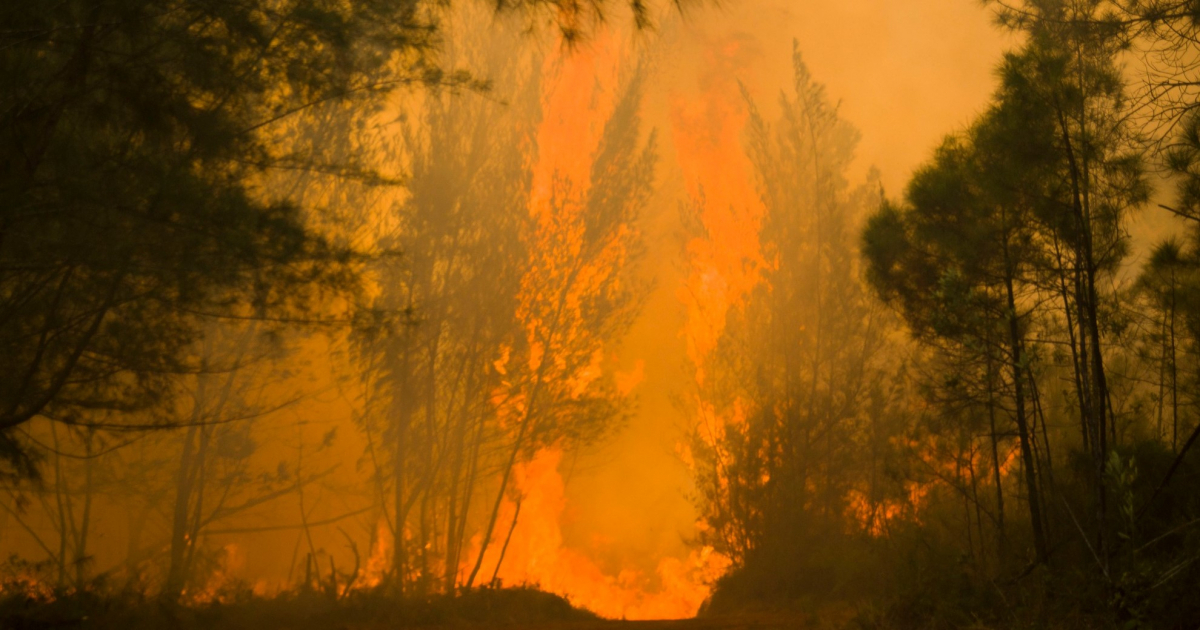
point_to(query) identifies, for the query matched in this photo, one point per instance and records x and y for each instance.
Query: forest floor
(483, 609)
(738, 622)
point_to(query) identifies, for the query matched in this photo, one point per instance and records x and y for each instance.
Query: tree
(431, 380)
(795, 379)
(137, 140)
(135, 135)
(579, 291)
(958, 259)
(1162, 281)
(518, 276)
(1067, 79)
(219, 473)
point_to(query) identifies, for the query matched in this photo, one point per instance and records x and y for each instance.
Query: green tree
(1065, 84)
(958, 260)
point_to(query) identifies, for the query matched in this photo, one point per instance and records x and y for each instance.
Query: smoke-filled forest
(805, 314)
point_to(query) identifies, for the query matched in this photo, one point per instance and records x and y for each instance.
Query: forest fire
(447, 313)
(726, 259)
(580, 93)
(534, 554)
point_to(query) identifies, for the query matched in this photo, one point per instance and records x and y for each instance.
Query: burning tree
(790, 383)
(519, 244)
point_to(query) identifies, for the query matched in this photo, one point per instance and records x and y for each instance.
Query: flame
(874, 516)
(726, 262)
(580, 94)
(380, 558)
(537, 555)
(725, 259)
(580, 91)
(628, 381)
(232, 560)
(28, 584)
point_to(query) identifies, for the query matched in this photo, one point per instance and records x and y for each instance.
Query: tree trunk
(1002, 535)
(1023, 433)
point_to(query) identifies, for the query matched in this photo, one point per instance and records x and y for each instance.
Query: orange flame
(537, 555)
(726, 262)
(580, 93)
(379, 560)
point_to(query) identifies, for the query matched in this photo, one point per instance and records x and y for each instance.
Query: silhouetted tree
(135, 137)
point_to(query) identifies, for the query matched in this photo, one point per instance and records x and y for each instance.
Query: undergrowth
(238, 608)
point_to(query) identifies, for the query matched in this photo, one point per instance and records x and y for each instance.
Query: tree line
(219, 215)
(975, 399)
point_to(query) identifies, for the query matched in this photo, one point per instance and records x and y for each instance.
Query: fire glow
(579, 93)
(536, 555)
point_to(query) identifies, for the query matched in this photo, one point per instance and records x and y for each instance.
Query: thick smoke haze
(624, 507)
(666, 310)
(905, 74)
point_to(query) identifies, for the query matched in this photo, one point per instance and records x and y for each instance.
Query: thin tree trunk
(507, 539)
(1002, 537)
(62, 502)
(183, 493)
(518, 444)
(1023, 433)
(1162, 378)
(1174, 374)
(1091, 328)
(86, 519)
(399, 463)
(978, 509)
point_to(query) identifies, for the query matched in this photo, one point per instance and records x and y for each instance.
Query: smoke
(905, 74)
(612, 524)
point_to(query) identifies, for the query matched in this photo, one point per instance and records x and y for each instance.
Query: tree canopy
(138, 139)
